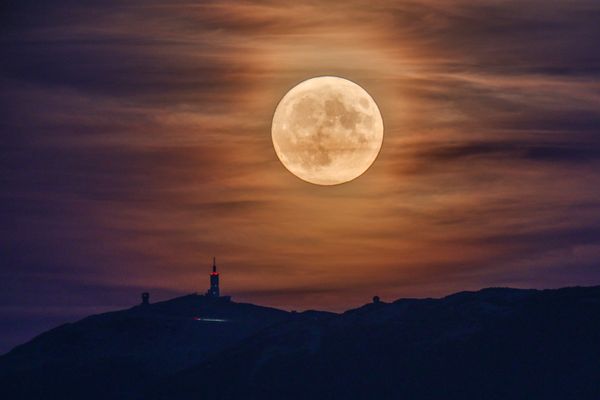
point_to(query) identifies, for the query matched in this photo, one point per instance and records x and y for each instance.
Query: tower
(213, 291)
(145, 298)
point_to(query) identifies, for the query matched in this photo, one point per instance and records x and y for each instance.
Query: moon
(327, 130)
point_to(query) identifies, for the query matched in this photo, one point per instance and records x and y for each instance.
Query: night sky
(135, 144)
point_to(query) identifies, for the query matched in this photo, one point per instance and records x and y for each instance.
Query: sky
(135, 145)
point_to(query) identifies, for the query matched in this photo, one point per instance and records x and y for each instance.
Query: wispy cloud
(136, 145)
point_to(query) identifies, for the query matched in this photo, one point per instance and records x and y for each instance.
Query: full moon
(327, 130)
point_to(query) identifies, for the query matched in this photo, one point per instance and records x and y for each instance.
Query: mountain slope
(491, 344)
(115, 354)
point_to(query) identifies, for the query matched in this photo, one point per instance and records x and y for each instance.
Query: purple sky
(135, 145)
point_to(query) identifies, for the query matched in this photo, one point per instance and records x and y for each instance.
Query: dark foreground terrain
(491, 344)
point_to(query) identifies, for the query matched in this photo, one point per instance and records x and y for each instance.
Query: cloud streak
(135, 145)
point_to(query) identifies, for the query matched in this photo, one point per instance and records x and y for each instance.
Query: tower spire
(213, 291)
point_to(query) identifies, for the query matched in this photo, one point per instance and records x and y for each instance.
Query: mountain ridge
(194, 346)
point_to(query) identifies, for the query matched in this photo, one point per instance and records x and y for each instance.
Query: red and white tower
(213, 291)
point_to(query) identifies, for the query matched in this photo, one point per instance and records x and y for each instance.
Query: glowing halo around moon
(327, 130)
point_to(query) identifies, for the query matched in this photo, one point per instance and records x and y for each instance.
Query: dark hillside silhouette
(115, 354)
(491, 344)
